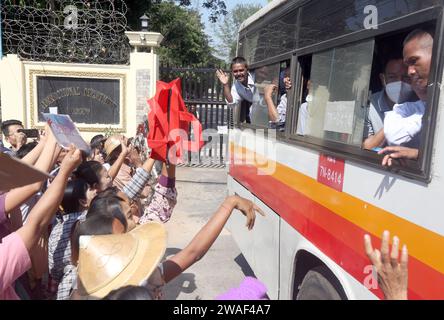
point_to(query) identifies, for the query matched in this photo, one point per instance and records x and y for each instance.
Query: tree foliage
(136, 8)
(185, 42)
(227, 29)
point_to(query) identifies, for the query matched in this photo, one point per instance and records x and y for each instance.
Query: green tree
(216, 8)
(227, 29)
(185, 42)
(136, 8)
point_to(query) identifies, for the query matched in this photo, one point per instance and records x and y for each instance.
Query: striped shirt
(133, 188)
(59, 244)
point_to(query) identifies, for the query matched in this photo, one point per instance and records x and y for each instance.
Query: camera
(30, 133)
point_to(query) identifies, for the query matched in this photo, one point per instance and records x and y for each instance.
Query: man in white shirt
(397, 90)
(403, 125)
(243, 88)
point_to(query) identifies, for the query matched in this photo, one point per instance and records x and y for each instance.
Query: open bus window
(339, 83)
(372, 95)
(265, 78)
(269, 105)
(391, 86)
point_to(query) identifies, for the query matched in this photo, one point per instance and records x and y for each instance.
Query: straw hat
(109, 262)
(110, 145)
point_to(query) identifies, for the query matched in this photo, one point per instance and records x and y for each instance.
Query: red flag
(169, 122)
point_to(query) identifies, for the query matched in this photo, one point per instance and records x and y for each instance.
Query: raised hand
(287, 83)
(392, 274)
(72, 160)
(222, 76)
(49, 135)
(270, 90)
(43, 134)
(123, 142)
(20, 138)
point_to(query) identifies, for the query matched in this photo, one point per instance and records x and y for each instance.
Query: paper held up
(65, 131)
(15, 173)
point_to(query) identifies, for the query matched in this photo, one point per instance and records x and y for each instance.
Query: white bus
(321, 190)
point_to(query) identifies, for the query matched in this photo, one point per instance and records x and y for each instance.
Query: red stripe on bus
(337, 237)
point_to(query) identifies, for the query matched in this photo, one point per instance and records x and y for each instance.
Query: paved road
(201, 191)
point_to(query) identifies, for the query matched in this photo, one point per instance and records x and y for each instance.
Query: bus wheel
(317, 285)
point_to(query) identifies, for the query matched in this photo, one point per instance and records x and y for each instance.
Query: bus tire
(318, 285)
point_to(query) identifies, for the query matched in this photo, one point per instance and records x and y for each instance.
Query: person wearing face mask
(403, 125)
(397, 90)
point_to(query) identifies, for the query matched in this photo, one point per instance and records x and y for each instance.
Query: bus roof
(262, 12)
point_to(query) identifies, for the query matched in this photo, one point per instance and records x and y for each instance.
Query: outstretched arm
(268, 96)
(169, 171)
(374, 141)
(17, 196)
(45, 208)
(34, 154)
(223, 78)
(205, 238)
(139, 181)
(114, 170)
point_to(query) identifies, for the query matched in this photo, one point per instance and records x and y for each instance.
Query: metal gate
(203, 96)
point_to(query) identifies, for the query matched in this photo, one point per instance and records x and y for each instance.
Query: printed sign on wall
(86, 100)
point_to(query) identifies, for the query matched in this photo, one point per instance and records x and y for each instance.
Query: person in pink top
(15, 248)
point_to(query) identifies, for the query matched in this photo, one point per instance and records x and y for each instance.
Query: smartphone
(30, 133)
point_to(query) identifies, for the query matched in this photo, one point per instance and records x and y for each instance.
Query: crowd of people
(103, 210)
(97, 224)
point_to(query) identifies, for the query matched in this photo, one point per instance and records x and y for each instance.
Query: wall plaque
(86, 100)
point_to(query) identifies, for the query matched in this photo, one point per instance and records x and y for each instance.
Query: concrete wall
(137, 84)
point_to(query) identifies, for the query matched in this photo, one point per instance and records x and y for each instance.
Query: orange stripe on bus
(423, 244)
(337, 237)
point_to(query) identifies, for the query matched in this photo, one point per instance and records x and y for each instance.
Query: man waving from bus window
(403, 125)
(243, 88)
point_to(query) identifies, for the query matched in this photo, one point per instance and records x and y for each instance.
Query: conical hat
(109, 262)
(111, 144)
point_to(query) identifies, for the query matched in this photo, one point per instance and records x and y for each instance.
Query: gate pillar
(144, 72)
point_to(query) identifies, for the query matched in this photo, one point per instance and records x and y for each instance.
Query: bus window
(339, 83)
(269, 108)
(272, 39)
(390, 84)
(304, 93)
(395, 124)
(264, 77)
(277, 111)
(323, 20)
